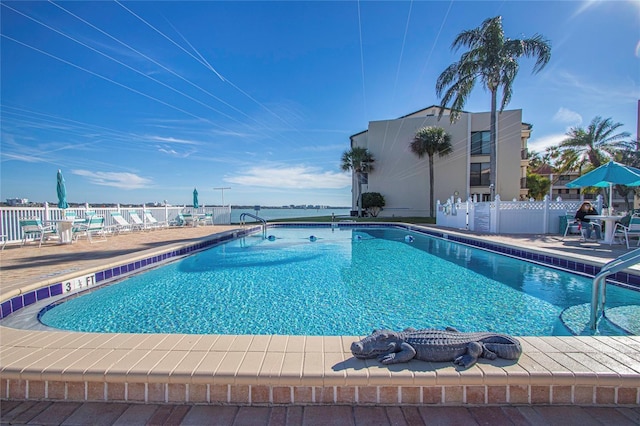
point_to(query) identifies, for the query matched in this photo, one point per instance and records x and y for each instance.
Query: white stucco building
(403, 178)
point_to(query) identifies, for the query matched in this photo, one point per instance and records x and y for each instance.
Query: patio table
(65, 229)
(609, 225)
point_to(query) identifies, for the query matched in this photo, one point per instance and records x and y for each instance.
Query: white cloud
(297, 177)
(567, 116)
(172, 152)
(542, 143)
(117, 180)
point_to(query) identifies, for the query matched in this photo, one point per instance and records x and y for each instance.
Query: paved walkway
(93, 413)
(24, 265)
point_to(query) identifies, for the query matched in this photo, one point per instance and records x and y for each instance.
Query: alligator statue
(429, 344)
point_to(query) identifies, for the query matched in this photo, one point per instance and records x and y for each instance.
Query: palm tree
(431, 141)
(629, 155)
(359, 161)
(494, 60)
(597, 142)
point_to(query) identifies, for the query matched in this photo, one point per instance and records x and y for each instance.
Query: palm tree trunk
(431, 186)
(492, 145)
(359, 195)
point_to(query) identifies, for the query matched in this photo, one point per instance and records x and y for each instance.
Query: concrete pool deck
(288, 370)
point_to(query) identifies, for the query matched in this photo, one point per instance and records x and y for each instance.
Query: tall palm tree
(597, 142)
(494, 60)
(431, 141)
(359, 161)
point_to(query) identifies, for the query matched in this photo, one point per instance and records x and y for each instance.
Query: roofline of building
(528, 125)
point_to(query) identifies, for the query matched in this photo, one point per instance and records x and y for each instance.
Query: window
(479, 174)
(480, 143)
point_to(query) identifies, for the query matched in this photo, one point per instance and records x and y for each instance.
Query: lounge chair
(139, 223)
(94, 226)
(152, 222)
(35, 228)
(632, 230)
(121, 224)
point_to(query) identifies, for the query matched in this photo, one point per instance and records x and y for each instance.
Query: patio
(290, 370)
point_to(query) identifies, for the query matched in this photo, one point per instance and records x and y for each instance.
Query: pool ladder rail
(599, 288)
(258, 218)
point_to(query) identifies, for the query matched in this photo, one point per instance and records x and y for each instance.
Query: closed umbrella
(62, 192)
(608, 175)
(195, 199)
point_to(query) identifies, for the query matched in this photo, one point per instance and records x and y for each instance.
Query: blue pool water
(342, 282)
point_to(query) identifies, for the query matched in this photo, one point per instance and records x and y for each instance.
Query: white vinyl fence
(508, 217)
(10, 216)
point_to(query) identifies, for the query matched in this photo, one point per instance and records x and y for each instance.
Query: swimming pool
(345, 281)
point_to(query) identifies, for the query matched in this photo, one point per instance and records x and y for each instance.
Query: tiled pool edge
(551, 371)
(305, 377)
(13, 302)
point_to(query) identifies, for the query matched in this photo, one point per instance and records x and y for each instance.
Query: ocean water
(273, 214)
(324, 281)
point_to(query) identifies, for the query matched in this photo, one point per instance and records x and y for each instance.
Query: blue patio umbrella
(608, 175)
(62, 192)
(195, 199)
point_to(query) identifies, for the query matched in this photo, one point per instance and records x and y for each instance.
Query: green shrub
(372, 202)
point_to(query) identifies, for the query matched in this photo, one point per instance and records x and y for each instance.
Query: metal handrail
(598, 290)
(264, 222)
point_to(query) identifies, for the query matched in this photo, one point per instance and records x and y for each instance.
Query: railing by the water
(599, 289)
(10, 216)
(258, 218)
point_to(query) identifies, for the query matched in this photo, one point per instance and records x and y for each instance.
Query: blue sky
(143, 101)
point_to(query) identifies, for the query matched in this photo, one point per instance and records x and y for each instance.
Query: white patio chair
(573, 225)
(71, 215)
(34, 228)
(633, 230)
(178, 220)
(93, 226)
(189, 219)
(207, 219)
